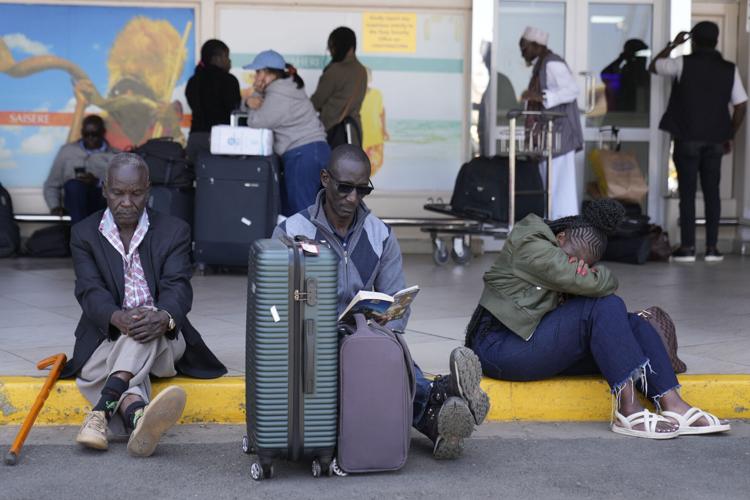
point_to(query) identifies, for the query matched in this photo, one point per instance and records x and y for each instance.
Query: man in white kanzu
(553, 88)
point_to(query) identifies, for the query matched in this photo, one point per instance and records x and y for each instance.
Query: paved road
(519, 461)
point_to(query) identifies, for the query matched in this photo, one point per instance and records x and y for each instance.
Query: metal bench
(45, 218)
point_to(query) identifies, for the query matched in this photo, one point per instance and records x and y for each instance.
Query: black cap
(706, 31)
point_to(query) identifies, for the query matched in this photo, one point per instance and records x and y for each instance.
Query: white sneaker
(93, 432)
(155, 419)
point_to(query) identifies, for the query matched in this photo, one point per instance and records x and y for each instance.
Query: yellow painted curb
(223, 400)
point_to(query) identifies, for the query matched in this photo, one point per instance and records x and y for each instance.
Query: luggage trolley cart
(534, 145)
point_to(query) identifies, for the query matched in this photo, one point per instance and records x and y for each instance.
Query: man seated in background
(446, 409)
(77, 171)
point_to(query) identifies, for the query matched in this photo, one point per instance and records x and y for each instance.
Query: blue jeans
(421, 395)
(302, 166)
(82, 199)
(583, 335)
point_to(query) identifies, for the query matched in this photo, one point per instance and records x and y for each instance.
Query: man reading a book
(445, 409)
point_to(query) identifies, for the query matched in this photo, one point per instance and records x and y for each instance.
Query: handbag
(661, 250)
(346, 130)
(664, 326)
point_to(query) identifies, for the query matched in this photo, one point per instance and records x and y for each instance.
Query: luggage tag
(310, 248)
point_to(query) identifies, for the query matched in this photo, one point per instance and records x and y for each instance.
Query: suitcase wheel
(201, 268)
(317, 469)
(259, 472)
(320, 467)
(461, 251)
(439, 252)
(256, 472)
(246, 448)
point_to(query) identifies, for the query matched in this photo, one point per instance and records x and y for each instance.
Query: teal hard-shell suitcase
(291, 355)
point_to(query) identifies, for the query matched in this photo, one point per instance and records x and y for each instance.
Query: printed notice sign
(389, 32)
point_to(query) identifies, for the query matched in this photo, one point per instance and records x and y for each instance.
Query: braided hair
(587, 233)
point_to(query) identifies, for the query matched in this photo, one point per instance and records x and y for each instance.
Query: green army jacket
(527, 279)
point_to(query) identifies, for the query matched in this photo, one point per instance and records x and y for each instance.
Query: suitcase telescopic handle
(308, 363)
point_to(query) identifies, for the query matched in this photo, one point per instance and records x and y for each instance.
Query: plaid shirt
(137, 293)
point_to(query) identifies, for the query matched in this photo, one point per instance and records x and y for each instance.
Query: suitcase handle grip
(308, 363)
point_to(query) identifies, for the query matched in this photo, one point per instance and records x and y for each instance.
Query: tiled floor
(709, 303)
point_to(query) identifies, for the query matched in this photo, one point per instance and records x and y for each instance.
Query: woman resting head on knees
(280, 103)
(546, 310)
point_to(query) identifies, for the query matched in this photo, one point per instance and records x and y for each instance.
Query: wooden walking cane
(57, 362)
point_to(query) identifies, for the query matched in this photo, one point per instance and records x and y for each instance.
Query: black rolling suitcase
(173, 201)
(236, 202)
(291, 353)
(481, 191)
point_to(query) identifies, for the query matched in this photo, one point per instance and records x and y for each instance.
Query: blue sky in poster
(81, 34)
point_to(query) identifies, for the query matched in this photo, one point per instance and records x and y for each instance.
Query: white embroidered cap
(535, 35)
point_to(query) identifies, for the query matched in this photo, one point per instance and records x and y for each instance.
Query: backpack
(10, 237)
(167, 162)
(52, 241)
(376, 396)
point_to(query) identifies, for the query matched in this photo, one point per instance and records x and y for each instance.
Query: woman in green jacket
(546, 310)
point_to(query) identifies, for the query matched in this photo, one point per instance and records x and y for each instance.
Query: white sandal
(694, 414)
(624, 425)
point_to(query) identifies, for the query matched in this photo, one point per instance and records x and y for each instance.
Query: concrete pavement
(512, 460)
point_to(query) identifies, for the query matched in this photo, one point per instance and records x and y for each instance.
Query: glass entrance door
(607, 45)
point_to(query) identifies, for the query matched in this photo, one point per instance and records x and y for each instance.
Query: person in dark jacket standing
(341, 88)
(213, 93)
(701, 127)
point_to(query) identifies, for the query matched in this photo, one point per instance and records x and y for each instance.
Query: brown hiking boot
(93, 433)
(156, 418)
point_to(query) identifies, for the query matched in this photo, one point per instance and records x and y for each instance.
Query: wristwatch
(172, 325)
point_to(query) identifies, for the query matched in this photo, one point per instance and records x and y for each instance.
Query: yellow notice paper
(389, 32)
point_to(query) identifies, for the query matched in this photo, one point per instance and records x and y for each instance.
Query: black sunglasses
(345, 188)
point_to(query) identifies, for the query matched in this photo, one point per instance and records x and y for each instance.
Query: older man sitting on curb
(133, 271)
(446, 409)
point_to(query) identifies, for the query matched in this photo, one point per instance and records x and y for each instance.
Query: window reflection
(619, 50)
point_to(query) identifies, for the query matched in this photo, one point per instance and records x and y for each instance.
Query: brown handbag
(664, 326)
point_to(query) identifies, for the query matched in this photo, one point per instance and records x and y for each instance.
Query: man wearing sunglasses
(76, 172)
(446, 409)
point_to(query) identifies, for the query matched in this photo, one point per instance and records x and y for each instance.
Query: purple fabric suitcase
(376, 396)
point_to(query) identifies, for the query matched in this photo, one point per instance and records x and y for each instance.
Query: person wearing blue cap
(280, 103)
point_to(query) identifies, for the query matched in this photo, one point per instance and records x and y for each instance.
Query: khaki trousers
(155, 358)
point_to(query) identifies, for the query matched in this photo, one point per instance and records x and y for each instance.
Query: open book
(380, 307)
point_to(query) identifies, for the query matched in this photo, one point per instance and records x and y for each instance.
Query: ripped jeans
(581, 336)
